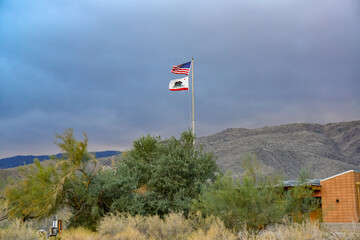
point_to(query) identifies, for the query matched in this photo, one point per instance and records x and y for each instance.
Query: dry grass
(78, 234)
(19, 231)
(114, 224)
(216, 231)
(172, 227)
(176, 227)
(298, 231)
(129, 234)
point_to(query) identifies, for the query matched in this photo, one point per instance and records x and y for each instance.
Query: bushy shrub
(155, 177)
(171, 172)
(253, 201)
(241, 203)
(106, 189)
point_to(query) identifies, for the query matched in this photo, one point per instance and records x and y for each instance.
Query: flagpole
(193, 103)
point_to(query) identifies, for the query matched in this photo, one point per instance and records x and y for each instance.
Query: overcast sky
(103, 67)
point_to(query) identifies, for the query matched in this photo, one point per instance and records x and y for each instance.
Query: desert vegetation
(160, 189)
(176, 226)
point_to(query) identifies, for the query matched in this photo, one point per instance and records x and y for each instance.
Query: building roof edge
(339, 175)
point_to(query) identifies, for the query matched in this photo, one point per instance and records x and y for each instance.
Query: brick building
(340, 198)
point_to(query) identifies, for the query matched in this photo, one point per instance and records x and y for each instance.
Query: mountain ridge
(325, 149)
(19, 160)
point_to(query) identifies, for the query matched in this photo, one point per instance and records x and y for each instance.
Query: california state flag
(179, 84)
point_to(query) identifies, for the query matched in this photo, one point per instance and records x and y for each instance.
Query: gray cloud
(104, 68)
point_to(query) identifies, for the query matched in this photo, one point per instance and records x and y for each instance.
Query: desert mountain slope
(325, 149)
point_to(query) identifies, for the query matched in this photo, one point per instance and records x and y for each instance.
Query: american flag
(182, 68)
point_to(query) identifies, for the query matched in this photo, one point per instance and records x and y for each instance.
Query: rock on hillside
(324, 149)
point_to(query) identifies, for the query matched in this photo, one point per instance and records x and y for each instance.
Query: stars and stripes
(182, 68)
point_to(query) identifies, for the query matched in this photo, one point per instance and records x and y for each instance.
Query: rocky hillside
(324, 149)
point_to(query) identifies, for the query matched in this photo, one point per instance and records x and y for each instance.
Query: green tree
(155, 177)
(299, 202)
(35, 195)
(171, 172)
(241, 203)
(253, 201)
(44, 188)
(106, 190)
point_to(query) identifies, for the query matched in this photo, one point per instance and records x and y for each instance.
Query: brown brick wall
(342, 187)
